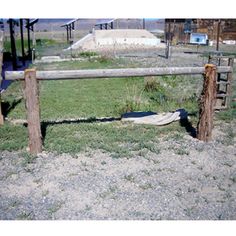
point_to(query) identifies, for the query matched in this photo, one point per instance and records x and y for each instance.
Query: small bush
(104, 59)
(133, 100)
(28, 158)
(150, 84)
(159, 97)
(88, 54)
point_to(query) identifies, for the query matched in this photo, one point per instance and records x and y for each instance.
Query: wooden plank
(33, 111)
(218, 56)
(229, 86)
(220, 108)
(222, 95)
(207, 104)
(218, 35)
(113, 73)
(223, 82)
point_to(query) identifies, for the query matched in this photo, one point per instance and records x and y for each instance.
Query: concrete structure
(119, 38)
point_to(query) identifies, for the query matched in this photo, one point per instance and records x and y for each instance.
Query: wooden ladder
(224, 81)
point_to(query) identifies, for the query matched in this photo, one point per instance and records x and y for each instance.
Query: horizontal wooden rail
(112, 73)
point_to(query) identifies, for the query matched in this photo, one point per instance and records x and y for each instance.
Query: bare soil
(187, 180)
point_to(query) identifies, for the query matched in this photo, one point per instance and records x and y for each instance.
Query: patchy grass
(44, 47)
(117, 139)
(95, 98)
(49, 47)
(13, 137)
(130, 178)
(54, 208)
(101, 98)
(7, 45)
(146, 186)
(28, 158)
(120, 140)
(227, 115)
(88, 54)
(91, 99)
(25, 216)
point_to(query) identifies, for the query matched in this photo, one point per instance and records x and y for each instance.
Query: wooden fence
(31, 78)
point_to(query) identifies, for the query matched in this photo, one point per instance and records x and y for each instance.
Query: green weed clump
(87, 54)
(104, 59)
(150, 84)
(133, 100)
(28, 158)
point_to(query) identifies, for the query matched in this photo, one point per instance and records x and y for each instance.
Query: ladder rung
(220, 107)
(221, 95)
(222, 82)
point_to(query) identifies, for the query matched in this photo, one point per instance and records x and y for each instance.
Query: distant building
(179, 30)
(209, 26)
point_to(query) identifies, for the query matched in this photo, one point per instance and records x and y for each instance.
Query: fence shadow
(7, 106)
(188, 127)
(45, 124)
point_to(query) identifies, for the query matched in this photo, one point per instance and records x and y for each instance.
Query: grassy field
(92, 99)
(44, 47)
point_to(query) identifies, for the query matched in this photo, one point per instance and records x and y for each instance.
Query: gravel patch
(187, 180)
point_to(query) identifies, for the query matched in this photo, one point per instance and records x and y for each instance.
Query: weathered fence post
(33, 111)
(207, 103)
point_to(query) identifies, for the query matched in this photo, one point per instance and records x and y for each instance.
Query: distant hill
(88, 24)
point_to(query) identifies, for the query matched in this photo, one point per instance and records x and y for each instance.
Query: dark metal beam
(13, 44)
(22, 41)
(70, 30)
(67, 33)
(28, 34)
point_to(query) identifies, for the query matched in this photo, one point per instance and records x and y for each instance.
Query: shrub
(104, 59)
(88, 54)
(132, 101)
(150, 84)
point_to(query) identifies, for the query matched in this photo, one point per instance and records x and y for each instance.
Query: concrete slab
(116, 39)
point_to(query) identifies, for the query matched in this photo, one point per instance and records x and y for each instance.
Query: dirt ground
(187, 180)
